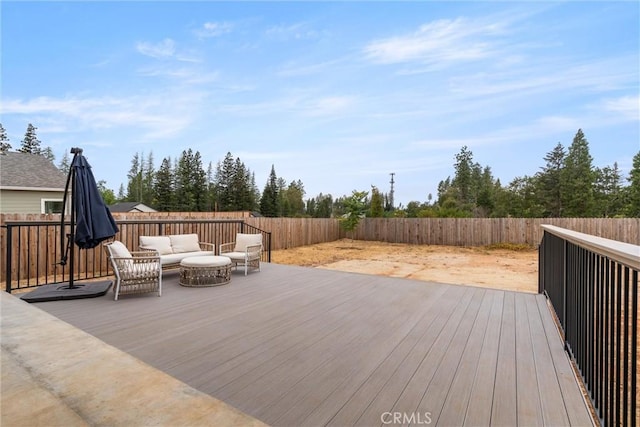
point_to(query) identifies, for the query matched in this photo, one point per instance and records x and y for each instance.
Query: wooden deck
(296, 346)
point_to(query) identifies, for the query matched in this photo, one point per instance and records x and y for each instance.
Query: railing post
(7, 263)
(565, 272)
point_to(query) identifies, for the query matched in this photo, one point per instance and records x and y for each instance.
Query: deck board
(458, 394)
(504, 405)
(310, 347)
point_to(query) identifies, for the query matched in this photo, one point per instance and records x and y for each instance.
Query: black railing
(592, 284)
(32, 256)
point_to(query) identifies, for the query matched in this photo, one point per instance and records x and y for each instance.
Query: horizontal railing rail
(32, 248)
(592, 285)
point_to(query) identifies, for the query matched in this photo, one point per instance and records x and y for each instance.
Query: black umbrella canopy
(94, 222)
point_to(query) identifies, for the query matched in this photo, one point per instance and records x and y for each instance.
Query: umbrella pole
(72, 225)
(72, 229)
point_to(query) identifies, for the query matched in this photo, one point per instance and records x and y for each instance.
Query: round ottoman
(202, 271)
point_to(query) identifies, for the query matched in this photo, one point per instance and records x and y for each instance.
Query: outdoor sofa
(174, 248)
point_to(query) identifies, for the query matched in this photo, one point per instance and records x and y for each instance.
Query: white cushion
(119, 250)
(205, 261)
(162, 244)
(184, 243)
(244, 240)
(176, 258)
(242, 255)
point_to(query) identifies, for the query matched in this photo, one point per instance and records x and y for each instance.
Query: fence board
(485, 231)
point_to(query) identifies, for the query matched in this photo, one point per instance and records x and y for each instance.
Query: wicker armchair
(246, 251)
(136, 272)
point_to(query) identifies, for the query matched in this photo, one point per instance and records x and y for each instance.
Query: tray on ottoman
(203, 271)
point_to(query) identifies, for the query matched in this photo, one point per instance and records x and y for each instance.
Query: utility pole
(391, 192)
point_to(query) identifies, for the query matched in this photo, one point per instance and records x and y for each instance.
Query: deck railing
(31, 249)
(592, 284)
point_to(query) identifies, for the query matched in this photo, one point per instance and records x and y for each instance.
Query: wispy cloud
(164, 49)
(442, 41)
(627, 107)
(184, 75)
(154, 117)
(213, 29)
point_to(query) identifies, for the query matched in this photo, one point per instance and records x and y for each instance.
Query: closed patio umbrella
(91, 223)
(94, 222)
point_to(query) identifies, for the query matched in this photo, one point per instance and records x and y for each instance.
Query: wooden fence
(486, 231)
(294, 232)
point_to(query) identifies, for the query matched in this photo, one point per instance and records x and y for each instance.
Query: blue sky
(335, 94)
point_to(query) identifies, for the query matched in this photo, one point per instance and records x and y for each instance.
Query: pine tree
(4, 141)
(147, 179)
(65, 163)
(48, 153)
(283, 203)
(121, 194)
(608, 192)
(269, 200)
(256, 193)
(632, 208)
(190, 182)
(223, 181)
(550, 180)
(241, 187)
(578, 179)
(463, 179)
(320, 206)
(164, 187)
(134, 184)
(199, 183)
(30, 143)
(485, 196)
(377, 209)
(211, 189)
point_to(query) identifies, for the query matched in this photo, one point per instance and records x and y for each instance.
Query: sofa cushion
(162, 244)
(176, 258)
(184, 243)
(244, 240)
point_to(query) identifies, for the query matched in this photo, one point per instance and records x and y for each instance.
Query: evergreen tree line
(184, 185)
(568, 185)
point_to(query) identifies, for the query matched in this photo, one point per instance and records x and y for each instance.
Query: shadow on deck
(307, 347)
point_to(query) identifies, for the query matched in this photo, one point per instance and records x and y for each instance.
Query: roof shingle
(29, 171)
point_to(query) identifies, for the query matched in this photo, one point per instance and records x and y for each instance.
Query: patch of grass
(516, 247)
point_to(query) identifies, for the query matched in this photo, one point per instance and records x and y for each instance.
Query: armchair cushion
(244, 240)
(162, 244)
(119, 250)
(184, 243)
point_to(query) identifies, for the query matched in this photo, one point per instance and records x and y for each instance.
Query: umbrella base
(61, 291)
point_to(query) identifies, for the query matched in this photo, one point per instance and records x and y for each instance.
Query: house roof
(130, 207)
(24, 171)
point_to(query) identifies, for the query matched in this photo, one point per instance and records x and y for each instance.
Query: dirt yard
(502, 267)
